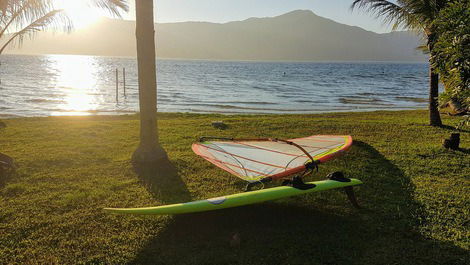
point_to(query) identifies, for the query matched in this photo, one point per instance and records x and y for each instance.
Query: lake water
(85, 85)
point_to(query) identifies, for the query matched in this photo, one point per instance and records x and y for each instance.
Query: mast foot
(249, 186)
(298, 183)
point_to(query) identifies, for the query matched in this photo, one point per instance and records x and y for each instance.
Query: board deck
(234, 200)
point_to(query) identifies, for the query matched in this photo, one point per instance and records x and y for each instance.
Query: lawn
(415, 195)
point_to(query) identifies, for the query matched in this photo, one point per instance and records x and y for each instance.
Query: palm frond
(50, 19)
(39, 15)
(25, 11)
(20, 12)
(400, 13)
(423, 48)
(113, 6)
(416, 15)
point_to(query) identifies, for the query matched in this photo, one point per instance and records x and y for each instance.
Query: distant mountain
(296, 36)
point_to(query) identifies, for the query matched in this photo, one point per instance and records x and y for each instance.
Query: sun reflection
(75, 71)
(79, 100)
(76, 77)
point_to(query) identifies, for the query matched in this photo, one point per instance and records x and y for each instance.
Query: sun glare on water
(76, 77)
(81, 13)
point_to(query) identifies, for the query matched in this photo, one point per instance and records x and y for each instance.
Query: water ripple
(85, 85)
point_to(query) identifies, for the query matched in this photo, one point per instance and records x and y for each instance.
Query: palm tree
(149, 150)
(417, 15)
(20, 18)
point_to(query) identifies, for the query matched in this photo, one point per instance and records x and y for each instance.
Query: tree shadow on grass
(320, 228)
(445, 127)
(453, 129)
(464, 150)
(5, 176)
(163, 181)
(7, 169)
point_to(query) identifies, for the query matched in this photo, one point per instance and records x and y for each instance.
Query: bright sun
(80, 12)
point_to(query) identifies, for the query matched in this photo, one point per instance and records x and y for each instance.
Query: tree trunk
(149, 150)
(434, 117)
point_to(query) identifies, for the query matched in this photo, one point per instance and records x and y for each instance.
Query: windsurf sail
(257, 159)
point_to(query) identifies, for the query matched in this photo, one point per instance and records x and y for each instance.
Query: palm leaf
(39, 24)
(423, 48)
(39, 15)
(113, 6)
(20, 12)
(399, 14)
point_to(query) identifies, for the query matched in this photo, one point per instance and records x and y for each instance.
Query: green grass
(415, 197)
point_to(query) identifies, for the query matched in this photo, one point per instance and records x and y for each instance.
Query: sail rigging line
(293, 159)
(319, 140)
(320, 147)
(284, 153)
(219, 164)
(294, 144)
(287, 142)
(239, 140)
(261, 160)
(230, 164)
(275, 176)
(242, 157)
(266, 149)
(233, 156)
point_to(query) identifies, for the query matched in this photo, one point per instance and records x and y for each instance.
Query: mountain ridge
(299, 35)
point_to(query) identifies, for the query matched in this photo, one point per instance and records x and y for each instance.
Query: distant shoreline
(218, 60)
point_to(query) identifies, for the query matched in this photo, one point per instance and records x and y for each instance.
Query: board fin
(339, 176)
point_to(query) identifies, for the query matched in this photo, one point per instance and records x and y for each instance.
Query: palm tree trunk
(149, 150)
(434, 117)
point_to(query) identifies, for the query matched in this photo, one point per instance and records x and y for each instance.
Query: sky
(231, 10)
(221, 11)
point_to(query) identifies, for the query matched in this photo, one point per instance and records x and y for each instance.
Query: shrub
(451, 52)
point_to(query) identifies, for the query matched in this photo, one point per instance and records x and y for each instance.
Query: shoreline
(91, 114)
(226, 60)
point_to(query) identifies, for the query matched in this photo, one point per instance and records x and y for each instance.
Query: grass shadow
(444, 127)
(319, 228)
(453, 128)
(7, 169)
(5, 176)
(163, 181)
(464, 150)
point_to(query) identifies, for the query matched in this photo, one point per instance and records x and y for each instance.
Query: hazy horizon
(300, 35)
(218, 60)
